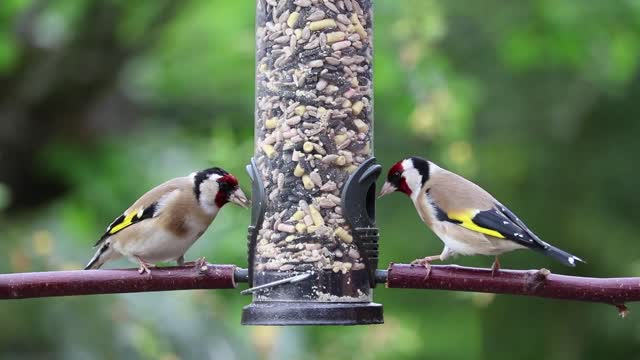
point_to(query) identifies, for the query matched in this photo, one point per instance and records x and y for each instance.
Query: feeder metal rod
(541, 283)
(90, 282)
(289, 280)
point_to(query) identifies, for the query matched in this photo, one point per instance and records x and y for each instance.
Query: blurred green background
(537, 101)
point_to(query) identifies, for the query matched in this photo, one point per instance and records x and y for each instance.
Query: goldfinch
(164, 223)
(463, 215)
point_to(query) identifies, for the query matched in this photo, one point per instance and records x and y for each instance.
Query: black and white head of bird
(407, 176)
(215, 187)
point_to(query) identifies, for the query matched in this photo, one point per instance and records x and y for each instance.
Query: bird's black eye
(395, 177)
(225, 186)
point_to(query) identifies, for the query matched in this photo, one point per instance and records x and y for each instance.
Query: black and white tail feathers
(561, 255)
(101, 256)
(532, 240)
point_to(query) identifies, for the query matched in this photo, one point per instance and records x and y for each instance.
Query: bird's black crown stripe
(422, 166)
(202, 176)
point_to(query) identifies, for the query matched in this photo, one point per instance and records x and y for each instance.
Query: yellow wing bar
(126, 221)
(466, 220)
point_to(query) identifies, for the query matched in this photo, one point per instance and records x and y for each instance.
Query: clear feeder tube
(313, 131)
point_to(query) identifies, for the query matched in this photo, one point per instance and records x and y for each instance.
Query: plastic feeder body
(313, 169)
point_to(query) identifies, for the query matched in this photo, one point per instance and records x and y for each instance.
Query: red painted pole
(541, 283)
(90, 282)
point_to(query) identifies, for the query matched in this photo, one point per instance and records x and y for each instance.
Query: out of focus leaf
(5, 197)
(8, 53)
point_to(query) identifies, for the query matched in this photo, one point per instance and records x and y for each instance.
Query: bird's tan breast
(162, 238)
(184, 217)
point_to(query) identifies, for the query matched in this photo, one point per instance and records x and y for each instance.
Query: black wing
(505, 222)
(125, 220)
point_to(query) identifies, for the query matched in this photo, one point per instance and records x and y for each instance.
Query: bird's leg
(201, 265)
(180, 260)
(144, 266)
(495, 267)
(426, 262)
(200, 262)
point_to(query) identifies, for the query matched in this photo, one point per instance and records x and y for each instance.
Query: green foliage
(7, 53)
(8, 47)
(537, 101)
(5, 196)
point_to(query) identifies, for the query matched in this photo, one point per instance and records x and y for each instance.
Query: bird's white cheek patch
(210, 209)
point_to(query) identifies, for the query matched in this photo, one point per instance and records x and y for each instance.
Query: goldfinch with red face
(463, 215)
(164, 223)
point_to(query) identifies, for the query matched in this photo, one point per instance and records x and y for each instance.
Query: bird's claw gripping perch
(426, 263)
(495, 267)
(201, 265)
(144, 266)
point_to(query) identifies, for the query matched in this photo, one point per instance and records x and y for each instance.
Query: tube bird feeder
(313, 242)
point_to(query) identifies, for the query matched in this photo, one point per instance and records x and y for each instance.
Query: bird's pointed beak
(387, 188)
(239, 198)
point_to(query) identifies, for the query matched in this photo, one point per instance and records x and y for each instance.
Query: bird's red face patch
(404, 187)
(395, 170)
(226, 185)
(230, 180)
(395, 177)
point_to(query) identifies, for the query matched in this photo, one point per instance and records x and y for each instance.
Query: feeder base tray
(311, 313)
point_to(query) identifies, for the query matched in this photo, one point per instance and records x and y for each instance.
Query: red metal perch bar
(90, 282)
(541, 283)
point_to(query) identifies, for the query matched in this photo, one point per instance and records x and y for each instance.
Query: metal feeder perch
(313, 244)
